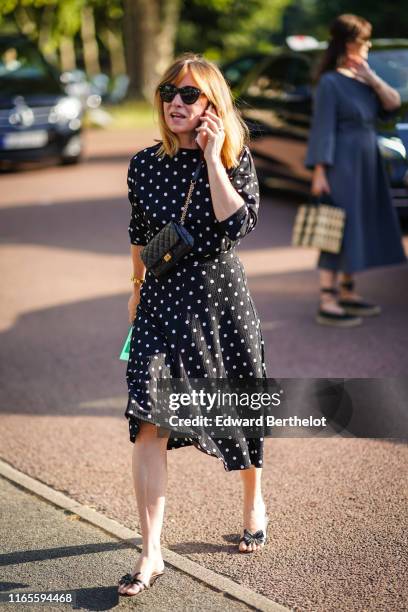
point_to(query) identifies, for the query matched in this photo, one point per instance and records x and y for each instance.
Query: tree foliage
(150, 32)
(389, 19)
(224, 28)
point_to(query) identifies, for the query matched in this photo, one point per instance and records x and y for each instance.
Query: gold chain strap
(185, 207)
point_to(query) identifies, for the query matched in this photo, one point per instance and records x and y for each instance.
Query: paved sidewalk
(337, 507)
(47, 549)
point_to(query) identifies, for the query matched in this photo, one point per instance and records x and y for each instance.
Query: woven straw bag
(319, 225)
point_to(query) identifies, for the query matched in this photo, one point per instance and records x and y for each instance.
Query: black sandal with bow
(257, 537)
(128, 579)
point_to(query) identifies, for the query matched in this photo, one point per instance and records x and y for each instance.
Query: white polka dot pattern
(200, 321)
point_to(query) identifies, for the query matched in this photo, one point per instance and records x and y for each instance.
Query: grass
(130, 115)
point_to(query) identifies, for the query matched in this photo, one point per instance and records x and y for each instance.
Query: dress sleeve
(245, 181)
(138, 230)
(322, 138)
(386, 115)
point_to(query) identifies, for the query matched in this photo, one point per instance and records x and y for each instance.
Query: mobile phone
(203, 114)
(211, 107)
(208, 107)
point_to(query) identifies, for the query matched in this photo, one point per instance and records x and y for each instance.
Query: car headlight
(392, 148)
(66, 110)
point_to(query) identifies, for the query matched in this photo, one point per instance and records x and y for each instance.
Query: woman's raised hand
(360, 69)
(211, 134)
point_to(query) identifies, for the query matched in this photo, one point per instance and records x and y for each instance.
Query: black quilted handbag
(172, 242)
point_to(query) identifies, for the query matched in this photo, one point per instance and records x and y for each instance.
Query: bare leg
(149, 467)
(254, 507)
(348, 294)
(328, 302)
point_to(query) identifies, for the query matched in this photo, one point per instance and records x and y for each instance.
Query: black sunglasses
(188, 94)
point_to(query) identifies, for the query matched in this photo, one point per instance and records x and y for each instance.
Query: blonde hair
(210, 80)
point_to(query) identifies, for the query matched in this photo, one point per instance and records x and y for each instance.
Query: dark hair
(344, 29)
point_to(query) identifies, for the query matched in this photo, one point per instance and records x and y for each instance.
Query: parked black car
(275, 98)
(37, 119)
(236, 70)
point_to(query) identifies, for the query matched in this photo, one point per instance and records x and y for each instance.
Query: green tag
(126, 347)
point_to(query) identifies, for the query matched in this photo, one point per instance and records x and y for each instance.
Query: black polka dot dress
(200, 320)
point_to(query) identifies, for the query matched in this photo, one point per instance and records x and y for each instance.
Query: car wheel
(70, 161)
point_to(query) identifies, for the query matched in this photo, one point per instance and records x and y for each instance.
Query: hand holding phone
(209, 107)
(200, 139)
(216, 131)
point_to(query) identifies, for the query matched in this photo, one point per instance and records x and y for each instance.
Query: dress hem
(353, 269)
(192, 442)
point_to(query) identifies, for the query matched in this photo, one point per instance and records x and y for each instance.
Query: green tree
(149, 30)
(389, 19)
(146, 32)
(155, 30)
(69, 28)
(225, 28)
(314, 16)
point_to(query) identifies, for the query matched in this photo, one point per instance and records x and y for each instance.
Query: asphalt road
(337, 507)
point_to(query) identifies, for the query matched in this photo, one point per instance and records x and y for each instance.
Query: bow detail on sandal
(128, 579)
(253, 538)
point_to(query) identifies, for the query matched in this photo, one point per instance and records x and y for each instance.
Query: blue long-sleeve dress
(343, 138)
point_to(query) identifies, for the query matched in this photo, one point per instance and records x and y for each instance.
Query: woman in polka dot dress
(200, 320)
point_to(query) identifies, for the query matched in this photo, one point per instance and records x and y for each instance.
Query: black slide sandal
(345, 319)
(131, 579)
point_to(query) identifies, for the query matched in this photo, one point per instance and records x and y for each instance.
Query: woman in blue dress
(347, 164)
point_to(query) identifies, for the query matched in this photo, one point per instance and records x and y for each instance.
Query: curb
(197, 571)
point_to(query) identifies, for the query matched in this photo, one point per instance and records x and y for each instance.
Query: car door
(276, 103)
